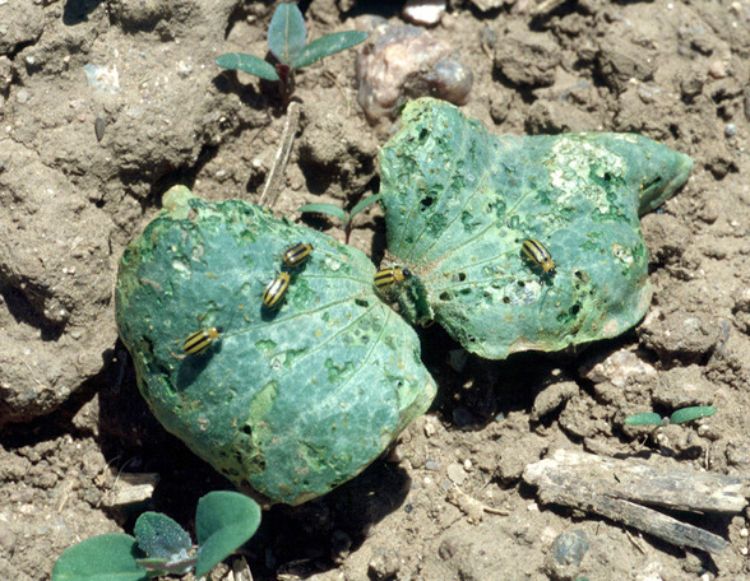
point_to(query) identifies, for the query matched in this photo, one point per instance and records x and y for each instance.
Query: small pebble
(22, 96)
(424, 12)
(184, 70)
(432, 465)
(488, 37)
(429, 429)
(468, 465)
(398, 63)
(396, 455)
(717, 69)
(730, 130)
(456, 473)
(570, 547)
(7, 540)
(743, 532)
(99, 126)
(648, 93)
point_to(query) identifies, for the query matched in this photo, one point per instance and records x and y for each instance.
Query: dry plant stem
(611, 488)
(131, 488)
(240, 571)
(272, 188)
(664, 485)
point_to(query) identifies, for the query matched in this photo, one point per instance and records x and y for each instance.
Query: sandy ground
(73, 420)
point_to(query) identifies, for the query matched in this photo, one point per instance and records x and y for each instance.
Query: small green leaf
(363, 204)
(643, 419)
(692, 413)
(224, 521)
(328, 45)
(103, 558)
(328, 209)
(247, 63)
(159, 536)
(286, 33)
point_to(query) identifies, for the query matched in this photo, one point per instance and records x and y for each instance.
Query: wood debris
(619, 489)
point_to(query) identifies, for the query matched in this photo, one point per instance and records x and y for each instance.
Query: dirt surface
(448, 502)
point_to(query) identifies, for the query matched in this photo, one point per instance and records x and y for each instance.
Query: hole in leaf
(445, 296)
(461, 276)
(426, 202)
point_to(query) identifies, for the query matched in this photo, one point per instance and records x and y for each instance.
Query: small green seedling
(680, 416)
(346, 218)
(224, 521)
(286, 42)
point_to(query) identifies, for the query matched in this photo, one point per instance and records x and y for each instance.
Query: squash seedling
(346, 218)
(224, 521)
(681, 416)
(286, 42)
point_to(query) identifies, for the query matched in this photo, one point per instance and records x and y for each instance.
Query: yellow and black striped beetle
(200, 340)
(297, 254)
(537, 253)
(275, 290)
(386, 277)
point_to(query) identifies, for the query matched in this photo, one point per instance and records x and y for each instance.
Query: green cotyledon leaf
(291, 401)
(460, 202)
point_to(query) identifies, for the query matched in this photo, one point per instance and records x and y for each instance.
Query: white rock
(424, 12)
(456, 473)
(618, 369)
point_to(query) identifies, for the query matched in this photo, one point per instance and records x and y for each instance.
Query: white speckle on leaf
(179, 265)
(622, 254)
(571, 164)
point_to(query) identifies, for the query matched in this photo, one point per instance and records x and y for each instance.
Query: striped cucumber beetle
(275, 290)
(297, 254)
(200, 340)
(386, 277)
(536, 253)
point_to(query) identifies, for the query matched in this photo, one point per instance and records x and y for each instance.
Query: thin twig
(272, 187)
(635, 542)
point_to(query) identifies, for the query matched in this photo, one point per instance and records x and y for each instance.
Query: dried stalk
(272, 188)
(619, 489)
